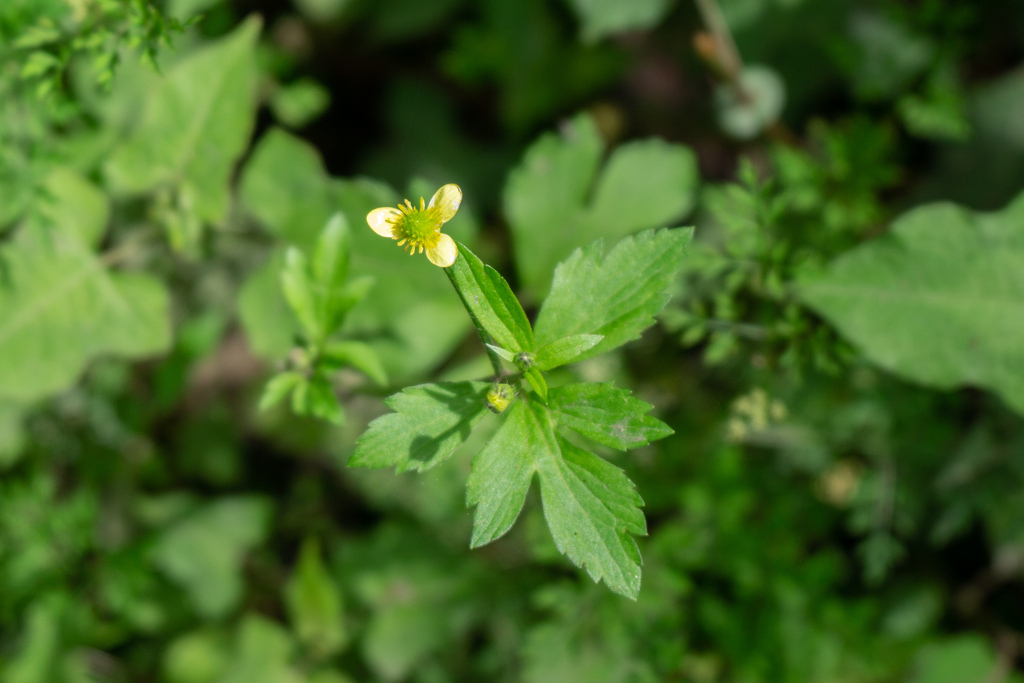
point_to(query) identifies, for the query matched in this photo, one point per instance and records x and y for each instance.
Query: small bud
(498, 397)
(524, 360)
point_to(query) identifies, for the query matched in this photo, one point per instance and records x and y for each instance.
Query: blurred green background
(842, 361)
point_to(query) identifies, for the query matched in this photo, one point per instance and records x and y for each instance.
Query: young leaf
(357, 354)
(606, 414)
(330, 269)
(940, 300)
(430, 421)
(279, 387)
(322, 401)
(298, 290)
(565, 350)
(537, 381)
(195, 125)
(590, 506)
(486, 293)
(615, 296)
(314, 603)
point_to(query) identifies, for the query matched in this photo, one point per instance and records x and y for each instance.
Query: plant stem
(727, 52)
(484, 337)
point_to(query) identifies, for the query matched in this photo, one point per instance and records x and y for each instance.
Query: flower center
(418, 227)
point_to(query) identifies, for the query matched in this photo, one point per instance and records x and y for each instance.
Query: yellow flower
(420, 228)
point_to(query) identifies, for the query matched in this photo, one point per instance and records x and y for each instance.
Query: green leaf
(279, 387)
(615, 296)
(298, 290)
(565, 350)
(959, 659)
(492, 302)
(196, 657)
(537, 381)
(939, 301)
(204, 552)
(314, 604)
(590, 506)
(430, 421)
(60, 307)
(600, 18)
(75, 206)
(269, 323)
(322, 402)
(606, 414)
(262, 654)
(13, 434)
(556, 201)
(544, 193)
(195, 125)
(296, 104)
(362, 357)
(285, 186)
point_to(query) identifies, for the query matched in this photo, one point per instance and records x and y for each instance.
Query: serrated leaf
(556, 201)
(491, 300)
(314, 603)
(278, 388)
(616, 295)
(60, 307)
(195, 125)
(358, 355)
(204, 552)
(607, 414)
(590, 506)
(565, 350)
(940, 300)
(430, 421)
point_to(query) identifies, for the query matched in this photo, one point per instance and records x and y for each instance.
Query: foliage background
(841, 362)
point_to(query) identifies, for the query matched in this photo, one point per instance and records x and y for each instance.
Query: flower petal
(383, 219)
(445, 252)
(447, 199)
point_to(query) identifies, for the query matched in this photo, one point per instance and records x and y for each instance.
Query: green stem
(484, 337)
